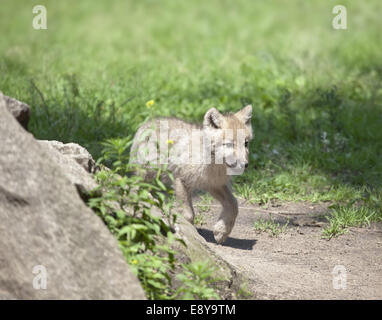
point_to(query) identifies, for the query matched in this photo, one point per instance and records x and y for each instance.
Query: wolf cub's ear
(213, 119)
(245, 114)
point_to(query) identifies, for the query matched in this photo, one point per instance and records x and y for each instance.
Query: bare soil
(298, 263)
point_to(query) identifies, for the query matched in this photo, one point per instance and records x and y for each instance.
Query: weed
(245, 191)
(126, 207)
(196, 282)
(343, 217)
(203, 206)
(244, 292)
(270, 226)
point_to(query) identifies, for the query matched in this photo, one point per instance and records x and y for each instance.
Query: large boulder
(48, 237)
(19, 110)
(197, 250)
(194, 249)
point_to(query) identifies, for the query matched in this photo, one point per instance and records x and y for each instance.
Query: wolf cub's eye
(246, 143)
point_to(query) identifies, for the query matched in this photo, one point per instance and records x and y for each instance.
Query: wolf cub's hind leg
(184, 199)
(226, 221)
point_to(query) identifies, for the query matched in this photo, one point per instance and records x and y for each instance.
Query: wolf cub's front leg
(226, 221)
(184, 199)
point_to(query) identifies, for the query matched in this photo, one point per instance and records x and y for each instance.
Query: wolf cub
(200, 157)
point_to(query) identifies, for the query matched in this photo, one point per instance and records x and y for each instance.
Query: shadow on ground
(243, 244)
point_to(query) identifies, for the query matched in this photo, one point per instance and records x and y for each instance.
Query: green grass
(244, 292)
(270, 226)
(343, 217)
(316, 92)
(203, 206)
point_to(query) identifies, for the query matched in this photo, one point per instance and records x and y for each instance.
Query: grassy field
(316, 91)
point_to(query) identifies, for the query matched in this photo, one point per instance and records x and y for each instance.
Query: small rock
(19, 110)
(74, 151)
(76, 163)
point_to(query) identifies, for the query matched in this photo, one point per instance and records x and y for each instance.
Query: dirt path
(298, 263)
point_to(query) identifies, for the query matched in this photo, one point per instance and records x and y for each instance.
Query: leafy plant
(196, 280)
(126, 206)
(115, 154)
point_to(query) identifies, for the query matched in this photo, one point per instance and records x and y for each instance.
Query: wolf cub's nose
(246, 165)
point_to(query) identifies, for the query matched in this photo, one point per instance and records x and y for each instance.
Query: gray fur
(219, 135)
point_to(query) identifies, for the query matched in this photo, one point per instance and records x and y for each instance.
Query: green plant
(203, 206)
(199, 219)
(115, 154)
(244, 292)
(196, 280)
(245, 190)
(126, 208)
(343, 217)
(126, 205)
(270, 226)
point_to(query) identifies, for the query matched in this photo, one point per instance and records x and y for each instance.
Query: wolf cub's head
(229, 135)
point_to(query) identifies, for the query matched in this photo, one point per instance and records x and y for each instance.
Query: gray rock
(75, 162)
(74, 151)
(45, 223)
(19, 110)
(197, 250)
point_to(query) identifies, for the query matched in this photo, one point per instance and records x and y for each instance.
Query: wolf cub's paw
(220, 237)
(221, 232)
